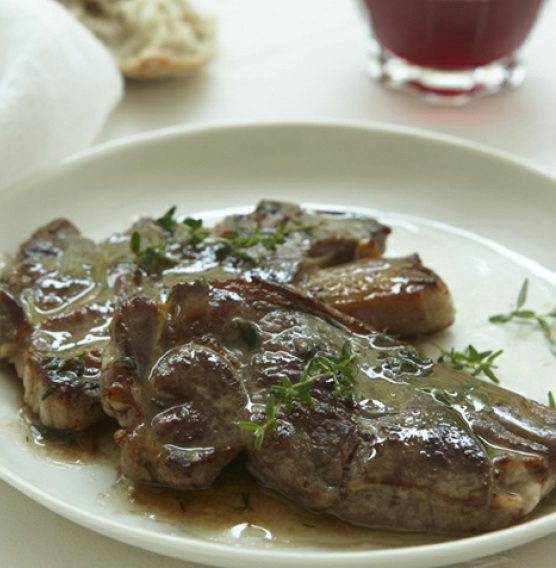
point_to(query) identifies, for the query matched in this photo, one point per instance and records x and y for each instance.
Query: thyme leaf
(60, 368)
(531, 316)
(167, 221)
(337, 368)
(248, 331)
(551, 400)
(151, 259)
(471, 360)
(197, 234)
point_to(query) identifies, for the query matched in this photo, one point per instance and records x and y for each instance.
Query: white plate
(424, 186)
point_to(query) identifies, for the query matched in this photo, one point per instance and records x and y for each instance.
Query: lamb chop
(57, 298)
(58, 295)
(340, 266)
(303, 240)
(337, 418)
(54, 317)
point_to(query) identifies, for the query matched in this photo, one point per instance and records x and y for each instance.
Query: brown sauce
(95, 445)
(236, 510)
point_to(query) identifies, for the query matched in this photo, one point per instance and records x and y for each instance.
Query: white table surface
(295, 60)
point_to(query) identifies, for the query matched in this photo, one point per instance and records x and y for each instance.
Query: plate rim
(179, 131)
(485, 544)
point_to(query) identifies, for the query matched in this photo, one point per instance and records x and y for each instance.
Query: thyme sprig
(338, 368)
(197, 233)
(151, 259)
(236, 245)
(526, 315)
(167, 221)
(472, 361)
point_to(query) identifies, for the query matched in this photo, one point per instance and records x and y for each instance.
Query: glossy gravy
(236, 510)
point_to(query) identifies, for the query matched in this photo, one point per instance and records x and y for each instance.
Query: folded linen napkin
(58, 84)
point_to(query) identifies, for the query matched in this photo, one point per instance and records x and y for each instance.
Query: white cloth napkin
(58, 84)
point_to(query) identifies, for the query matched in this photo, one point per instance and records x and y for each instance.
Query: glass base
(441, 86)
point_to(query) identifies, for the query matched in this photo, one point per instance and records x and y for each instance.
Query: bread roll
(149, 38)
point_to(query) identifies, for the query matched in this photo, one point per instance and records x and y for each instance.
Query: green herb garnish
(49, 390)
(335, 367)
(236, 245)
(151, 259)
(248, 331)
(472, 361)
(71, 368)
(167, 221)
(551, 400)
(526, 315)
(197, 234)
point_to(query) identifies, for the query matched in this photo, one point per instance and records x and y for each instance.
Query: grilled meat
(58, 295)
(397, 295)
(57, 298)
(312, 239)
(50, 312)
(408, 445)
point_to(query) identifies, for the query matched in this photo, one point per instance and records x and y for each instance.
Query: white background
(296, 60)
